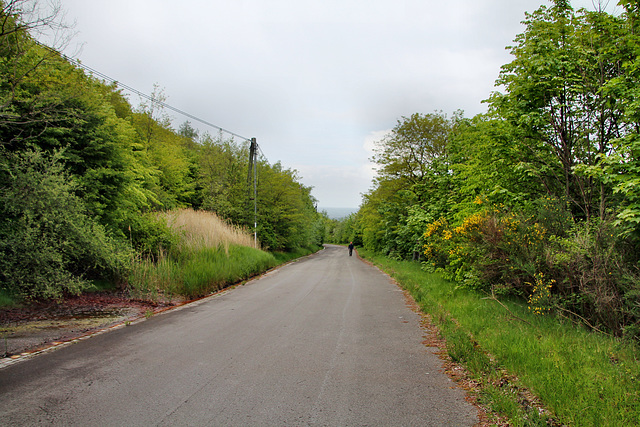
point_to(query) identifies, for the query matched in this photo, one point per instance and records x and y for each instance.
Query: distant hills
(338, 213)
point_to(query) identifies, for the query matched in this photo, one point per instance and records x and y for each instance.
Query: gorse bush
(540, 300)
(585, 272)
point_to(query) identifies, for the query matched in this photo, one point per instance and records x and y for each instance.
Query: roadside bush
(48, 244)
(594, 278)
(583, 270)
(148, 234)
(437, 248)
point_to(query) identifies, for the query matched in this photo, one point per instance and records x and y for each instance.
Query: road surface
(325, 341)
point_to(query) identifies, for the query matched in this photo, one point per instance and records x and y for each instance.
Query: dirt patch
(34, 327)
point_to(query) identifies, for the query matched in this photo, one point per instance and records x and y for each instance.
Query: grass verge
(531, 369)
(197, 272)
(209, 255)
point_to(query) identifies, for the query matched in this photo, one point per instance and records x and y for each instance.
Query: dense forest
(539, 198)
(84, 174)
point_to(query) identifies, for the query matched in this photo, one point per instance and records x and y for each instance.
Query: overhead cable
(143, 95)
(152, 99)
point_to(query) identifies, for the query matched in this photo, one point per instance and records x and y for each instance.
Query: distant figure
(350, 248)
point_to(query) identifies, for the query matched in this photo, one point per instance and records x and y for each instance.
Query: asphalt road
(325, 341)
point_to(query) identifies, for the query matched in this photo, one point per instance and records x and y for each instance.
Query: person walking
(350, 248)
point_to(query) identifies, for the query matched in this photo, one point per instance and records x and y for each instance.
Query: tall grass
(582, 378)
(202, 229)
(209, 256)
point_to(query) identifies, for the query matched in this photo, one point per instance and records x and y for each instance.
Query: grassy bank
(197, 272)
(202, 271)
(205, 254)
(210, 255)
(581, 378)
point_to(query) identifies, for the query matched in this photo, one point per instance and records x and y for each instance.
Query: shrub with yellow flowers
(540, 300)
(447, 248)
(539, 252)
(491, 247)
(436, 243)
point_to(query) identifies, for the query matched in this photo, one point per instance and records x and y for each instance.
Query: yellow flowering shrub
(542, 254)
(471, 224)
(540, 300)
(491, 247)
(435, 245)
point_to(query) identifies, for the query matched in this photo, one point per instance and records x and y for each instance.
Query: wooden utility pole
(252, 175)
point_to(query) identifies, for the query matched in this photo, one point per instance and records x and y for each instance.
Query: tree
(188, 131)
(222, 166)
(412, 185)
(19, 19)
(287, 217)
(490, 164)
(23, 17)
(622, 166)
(49, 244)
(414, 148)
(556, 96)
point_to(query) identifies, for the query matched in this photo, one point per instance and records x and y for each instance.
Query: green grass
(282, 257)
(582, 378)
(6, 299)
(197, 272)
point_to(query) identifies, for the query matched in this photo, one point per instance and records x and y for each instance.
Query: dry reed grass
(200, 229)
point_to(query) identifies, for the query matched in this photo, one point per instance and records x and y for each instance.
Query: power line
(263, 155)
(150, 98)
(142, 94)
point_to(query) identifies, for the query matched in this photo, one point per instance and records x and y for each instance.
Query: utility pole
(252, 175)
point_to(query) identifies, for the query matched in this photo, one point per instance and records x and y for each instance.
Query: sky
(316, 82)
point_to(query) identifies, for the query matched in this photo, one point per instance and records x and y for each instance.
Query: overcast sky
(314, 81)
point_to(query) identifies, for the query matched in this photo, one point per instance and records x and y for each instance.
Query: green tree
(414, 148)
(49, 245)
(413, 182)
(287, 217)
(186, 130)
(490, 164)
(556, 95)
(222, 166)
(343, 230)
(55, 107)
(622, 165)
